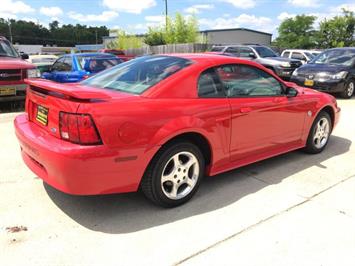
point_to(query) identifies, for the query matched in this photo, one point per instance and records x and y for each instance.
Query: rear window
(136, 76)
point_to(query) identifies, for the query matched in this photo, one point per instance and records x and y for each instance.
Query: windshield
(309, 55)
(136, 76)
(97, 63)
(265, 51)
(6, 49)
(217, 49)
(342, 57)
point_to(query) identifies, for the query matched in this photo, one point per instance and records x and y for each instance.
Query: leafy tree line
(299, 32)
(25, 32)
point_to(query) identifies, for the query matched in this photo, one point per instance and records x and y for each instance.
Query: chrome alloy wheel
(180, 175)
(350, 89)
(321, 133)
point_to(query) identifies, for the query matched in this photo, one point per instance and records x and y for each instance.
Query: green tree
(338, 31)
(177, 30)
(297, 32)
(125, 41)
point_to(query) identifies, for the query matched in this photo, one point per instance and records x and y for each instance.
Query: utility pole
(10, 31)
(166, 14)
(96, 35)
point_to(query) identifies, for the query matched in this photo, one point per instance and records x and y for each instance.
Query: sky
(135, 16)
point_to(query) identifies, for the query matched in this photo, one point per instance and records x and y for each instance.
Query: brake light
(78, 128)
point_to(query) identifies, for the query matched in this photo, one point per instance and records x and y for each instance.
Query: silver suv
(263, 55)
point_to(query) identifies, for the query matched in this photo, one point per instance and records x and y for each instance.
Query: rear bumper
(76, 169)
(324, 86)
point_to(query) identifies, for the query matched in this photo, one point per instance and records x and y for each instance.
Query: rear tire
(318, 136)
(174, 174)
(349, 90)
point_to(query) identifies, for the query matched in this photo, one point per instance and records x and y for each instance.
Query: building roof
(236, 29)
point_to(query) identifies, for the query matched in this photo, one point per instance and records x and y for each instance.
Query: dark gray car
(264, 55)
(332, 71)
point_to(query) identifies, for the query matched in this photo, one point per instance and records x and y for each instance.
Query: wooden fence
(170, 48)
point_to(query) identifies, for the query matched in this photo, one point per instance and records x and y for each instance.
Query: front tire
(174, 174)
(349, 90)
(319, 134)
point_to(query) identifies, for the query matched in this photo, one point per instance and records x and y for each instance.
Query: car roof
(298, 50)
(240, 45)
(92, 55)
(343, 48)
(211, 57)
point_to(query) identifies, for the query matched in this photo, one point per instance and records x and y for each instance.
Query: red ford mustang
(160, 123)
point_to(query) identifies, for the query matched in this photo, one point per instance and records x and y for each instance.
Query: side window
(246, 52)
(67, 64)
(232, 50)
(58, 65)
(248, 81)
(298, 56)
(286, 54)
(209, 85)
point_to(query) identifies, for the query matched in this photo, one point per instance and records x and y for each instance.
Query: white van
(303, 55)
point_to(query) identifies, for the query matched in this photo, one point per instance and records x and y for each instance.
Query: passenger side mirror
(252, 55)
(291, 92)
(24, 56)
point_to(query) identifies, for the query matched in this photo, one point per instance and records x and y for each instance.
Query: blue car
(76, 67)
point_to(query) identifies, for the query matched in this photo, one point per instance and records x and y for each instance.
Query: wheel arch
(328, 109)
(196, 138)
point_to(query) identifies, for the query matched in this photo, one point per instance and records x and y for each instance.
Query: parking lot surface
(294, 209)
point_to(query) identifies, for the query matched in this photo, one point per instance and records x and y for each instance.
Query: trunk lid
(46, 99)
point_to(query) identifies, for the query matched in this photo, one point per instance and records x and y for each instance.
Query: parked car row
(331, 71)
(16, 67)
(263, 55)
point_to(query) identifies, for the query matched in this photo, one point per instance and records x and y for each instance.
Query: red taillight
(78, 128)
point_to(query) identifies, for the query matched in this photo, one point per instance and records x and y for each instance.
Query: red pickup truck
(119, 53)
(13, 71)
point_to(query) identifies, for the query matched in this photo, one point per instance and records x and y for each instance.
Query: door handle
(245, 110)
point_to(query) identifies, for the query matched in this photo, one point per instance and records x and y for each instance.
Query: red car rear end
(64, 147)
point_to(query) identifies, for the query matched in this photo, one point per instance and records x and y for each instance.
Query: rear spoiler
(68, 90)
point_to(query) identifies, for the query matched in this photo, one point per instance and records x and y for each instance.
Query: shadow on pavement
(125, 213)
